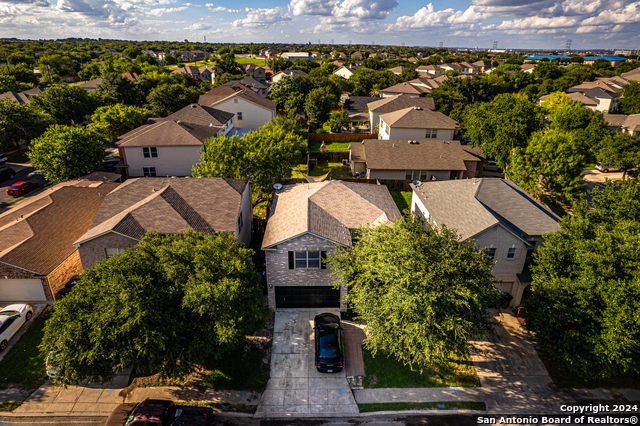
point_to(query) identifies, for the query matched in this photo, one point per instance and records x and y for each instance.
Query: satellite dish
(416, 182)
(277, 186)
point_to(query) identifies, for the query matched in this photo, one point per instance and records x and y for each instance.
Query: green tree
(116, 120)
(550, 164)
(278, 64)
(630, 98)
(66, 104)
(174, 303)
(22, 73)
(19, 123)
(584, 310)
(318, 105)
(422, 292)
(120, 88)
(621, 150)
(294, 103)
(503, 124)
(282, 89)
(446, 98)
(338, 120)
(227, 64)
(225, 78)
(8, 83)
(64, 153)
(268, 154)
(166, 99)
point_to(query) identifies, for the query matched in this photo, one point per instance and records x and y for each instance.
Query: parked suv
(6, 173)
(156, 412)
(328, 339)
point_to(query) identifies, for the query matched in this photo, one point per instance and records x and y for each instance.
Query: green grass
(24, 364)
(402, 199)
(385, 372)
(251, 409)
(331, 146)
(240, 370)
(590, 166)
(9, 406)
(400, 406)
(338, 171)
(250, 61)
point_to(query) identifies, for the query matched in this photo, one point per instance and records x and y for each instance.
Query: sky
(514, 24)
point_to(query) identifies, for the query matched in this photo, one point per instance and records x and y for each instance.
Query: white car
(3, 158)
(11, 319)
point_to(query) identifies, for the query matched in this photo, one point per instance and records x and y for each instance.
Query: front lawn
(24, 364)
(385, 372)
(399, 406)
(402, 199)
(259, 62)
(331, 146)
(240, 370)
(338, 171)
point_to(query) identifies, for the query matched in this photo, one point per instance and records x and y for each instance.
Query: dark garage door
(307, 297)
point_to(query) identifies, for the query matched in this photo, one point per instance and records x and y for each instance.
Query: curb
(433, 412)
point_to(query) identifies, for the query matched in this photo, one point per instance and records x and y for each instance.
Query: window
(235, 101)
(431, 134)
(423, 175)
(408, 174)
(114, 251)
(490, 253)
(239, 116)
(149, 152)
(149, 171)
(415, 175)
(307, 260)
(240, 223)
(511, 254)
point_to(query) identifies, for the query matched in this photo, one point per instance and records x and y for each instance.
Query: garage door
(22, 291)
(307, 297)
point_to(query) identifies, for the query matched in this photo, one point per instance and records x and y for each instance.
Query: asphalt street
(23, 172)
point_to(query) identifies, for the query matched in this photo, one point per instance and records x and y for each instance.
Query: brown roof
(398, 102)
(20, 98)
(93, 84)
(418, 118)
(327, 209)
(397, 70)
(189, 69)
(427, 68)
(431, 83)
(421, 155)
(357, 152)
(169, 206)
(133, 76)
(630, 122)
(632, 75)
(198, 114)
(220, 93)
(38, 235)
(168, 133)
(406, 88)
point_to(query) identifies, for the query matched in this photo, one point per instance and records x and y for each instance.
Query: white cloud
(162, 10)
(213, 8)
(257, 18)
(344, 9)
(427, 17)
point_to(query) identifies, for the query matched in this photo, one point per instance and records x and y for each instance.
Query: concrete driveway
(296, 388)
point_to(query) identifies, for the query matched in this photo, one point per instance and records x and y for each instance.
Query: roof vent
(178, 121)
(193, 105)
(418, 108)
(210, 124)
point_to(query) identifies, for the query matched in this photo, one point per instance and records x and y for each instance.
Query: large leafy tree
(116, 120)
(282, 89)
(19, 123)
(422, 292)
(65, 152)
(227, 64)
(8, 83)
(503, 124)
(120, 88)
(268, 155)
(621, 150)
(550, 164)
(585, 310)
(318, 105)
(166, 99)
(173, 303)
(66, 104)
(630, 99)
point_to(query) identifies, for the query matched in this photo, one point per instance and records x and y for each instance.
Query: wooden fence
(341, 137)
(330, 156)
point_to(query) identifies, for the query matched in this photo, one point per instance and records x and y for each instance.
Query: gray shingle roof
(406, 88)
(473, 205)
(169, 206)
(418, 118)
(398, 102)
(199, 114)
(328, 209)
(423, 155)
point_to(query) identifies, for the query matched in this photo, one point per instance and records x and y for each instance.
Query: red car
(21, 188)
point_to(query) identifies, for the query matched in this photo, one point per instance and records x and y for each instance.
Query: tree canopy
(166, 99)
(19, 123)
(66, 104)
(630, 98)
(65, 152)
(116, 120)
(422, 292)
(173, 303)
(318, 105)
(585, 310)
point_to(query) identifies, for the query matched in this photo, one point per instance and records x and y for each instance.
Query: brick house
(37, 256)
(498, 216)
(168, 206)
(305, 223)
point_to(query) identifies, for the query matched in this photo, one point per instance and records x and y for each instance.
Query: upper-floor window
(113, 251)
(240, 223)
(511, 254)
(239, 116)
(431, 134)
(490, 252)
(149, 152)
(307, 259)
(149, 171)
(235, 101)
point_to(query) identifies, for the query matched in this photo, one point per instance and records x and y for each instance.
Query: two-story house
(251, 111)
(395, 103)
(497, 215)
(416, 123)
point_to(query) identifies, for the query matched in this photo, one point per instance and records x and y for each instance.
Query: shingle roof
(328, 209)
(199, 114)
(422, 155)
(38, 235)
(418, 118)
(251, 82)
(474, 205)
(92, 84)
(357, 152)
(596, 92)
(14, 96)
(397, 70)
(630, 122)
(169, 206)
(168, 133)
(220, 93)
(406, 88)
(398, 102)
(631, 75)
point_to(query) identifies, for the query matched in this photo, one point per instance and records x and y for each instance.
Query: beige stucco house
(500, 217)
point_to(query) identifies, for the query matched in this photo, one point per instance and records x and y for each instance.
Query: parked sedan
(607, 168)
(3, 158)
(11, 319)
(328, 339)
(21, 188)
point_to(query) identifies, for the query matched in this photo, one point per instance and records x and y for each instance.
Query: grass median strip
(9, 406)
(401, 406)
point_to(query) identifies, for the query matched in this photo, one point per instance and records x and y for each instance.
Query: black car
(329, 347)
(6, 173)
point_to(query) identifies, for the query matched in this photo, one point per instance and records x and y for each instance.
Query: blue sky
(546, 24)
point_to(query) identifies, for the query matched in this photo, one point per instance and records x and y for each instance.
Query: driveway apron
(296, 388)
